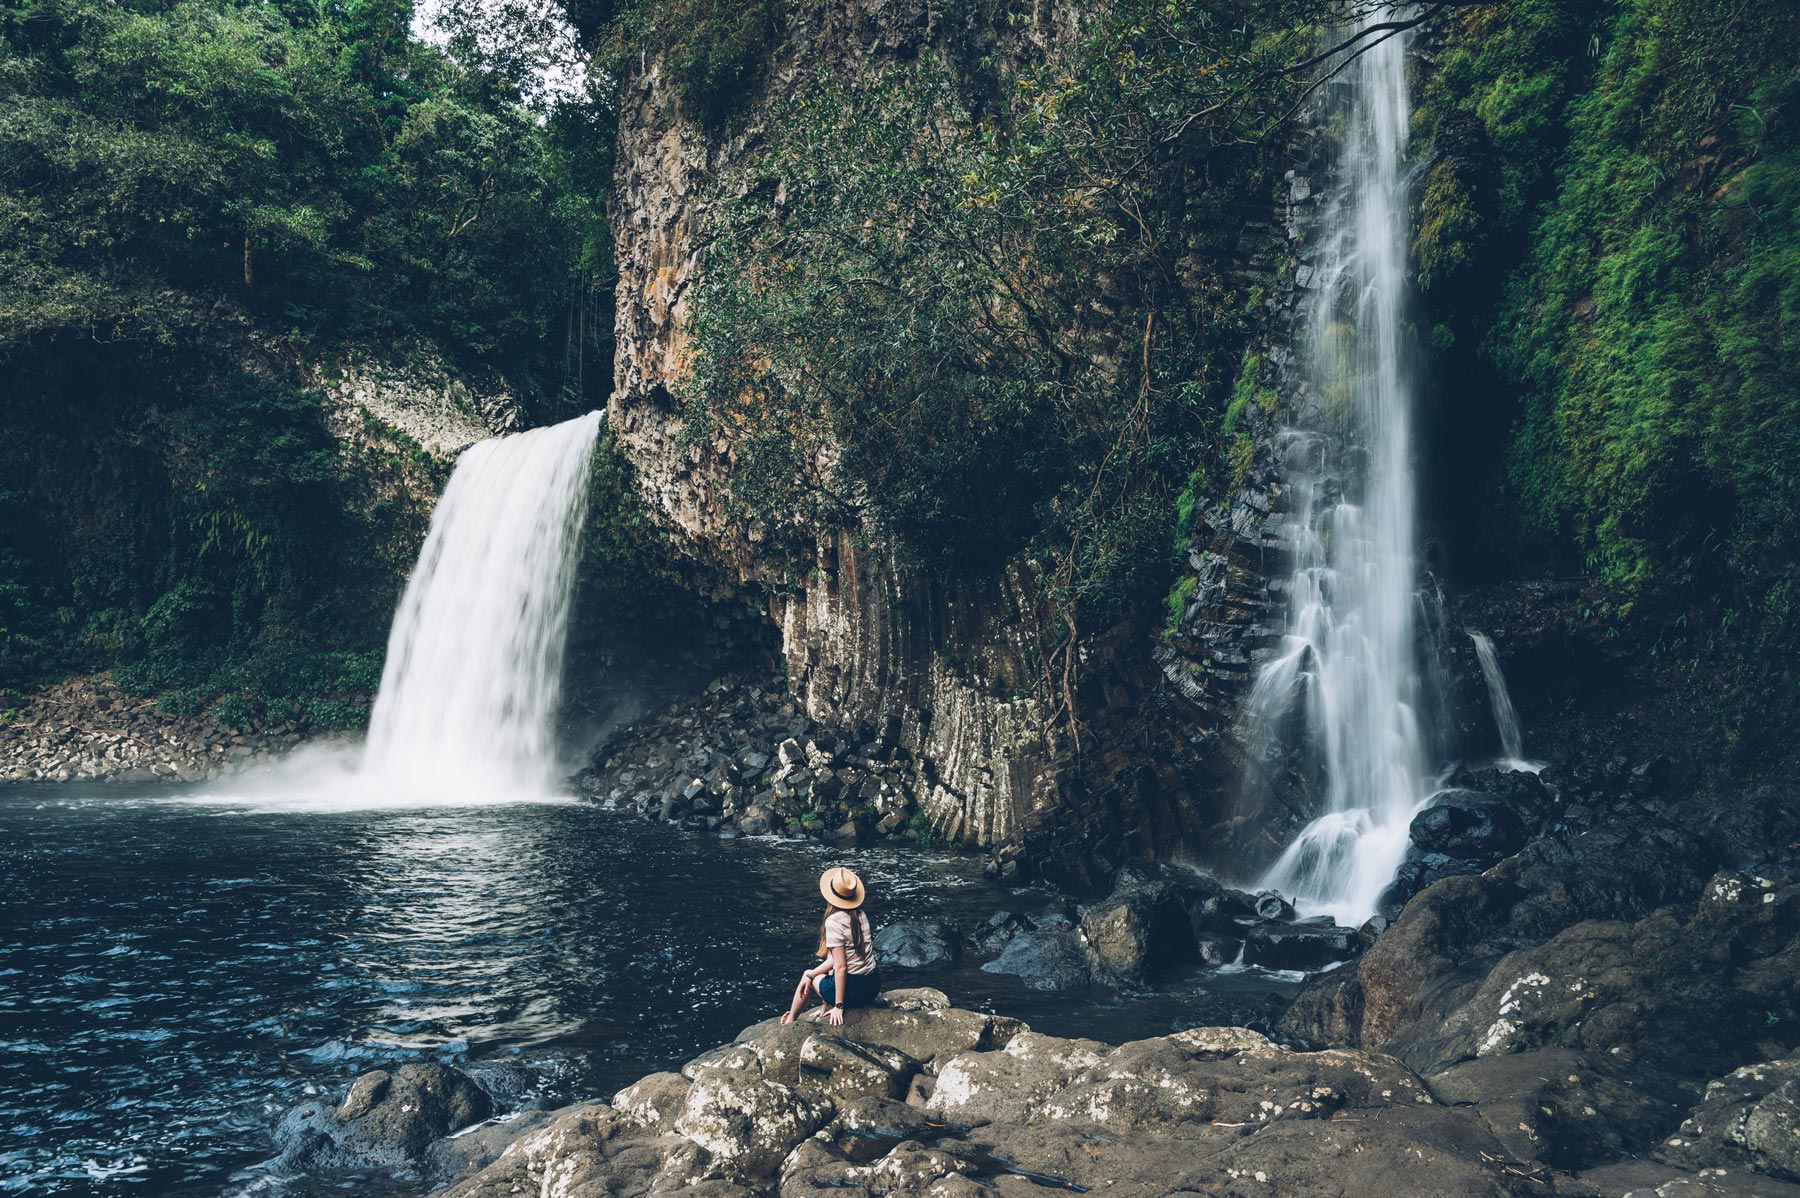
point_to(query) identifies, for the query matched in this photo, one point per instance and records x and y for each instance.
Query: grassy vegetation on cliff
(1649, 151)
(195, 198)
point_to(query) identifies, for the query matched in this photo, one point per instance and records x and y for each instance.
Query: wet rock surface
(388, 1121)
(1583, 999)
(919, 1097)
(918, 945)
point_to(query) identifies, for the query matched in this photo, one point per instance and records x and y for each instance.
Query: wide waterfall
(474, 660)
(1349, 663)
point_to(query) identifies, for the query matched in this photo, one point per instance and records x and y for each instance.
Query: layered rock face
(1239, 555)
(945, 670)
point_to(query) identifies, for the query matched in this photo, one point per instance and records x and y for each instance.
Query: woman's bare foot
(788, 1017)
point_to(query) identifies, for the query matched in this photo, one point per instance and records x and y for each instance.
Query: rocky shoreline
(1590, 988)
(88, 730)
(919, 1097)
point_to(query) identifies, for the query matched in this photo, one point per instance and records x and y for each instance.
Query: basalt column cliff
(943, 671)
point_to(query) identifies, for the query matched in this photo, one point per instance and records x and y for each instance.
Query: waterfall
(1347, 680)
(474, 659)
(1506, 718)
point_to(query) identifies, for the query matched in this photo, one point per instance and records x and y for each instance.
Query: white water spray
(1349, 661)
(474, 660)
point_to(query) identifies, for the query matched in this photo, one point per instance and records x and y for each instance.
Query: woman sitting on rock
(846, 975)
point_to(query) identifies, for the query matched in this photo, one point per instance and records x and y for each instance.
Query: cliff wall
(947, 670)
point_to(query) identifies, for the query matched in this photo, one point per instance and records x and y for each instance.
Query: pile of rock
(87, 729)
(919, 1097)
(741, 759)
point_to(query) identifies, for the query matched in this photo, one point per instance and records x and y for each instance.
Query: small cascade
(474, 661)
(1506, 718)
(1348, 688)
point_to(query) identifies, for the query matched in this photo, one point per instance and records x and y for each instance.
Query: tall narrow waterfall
(1506, 717)
(1348, 678)
(474, 660)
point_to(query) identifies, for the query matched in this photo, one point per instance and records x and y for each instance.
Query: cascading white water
(1506, 718)
(1349, 661)
(474, 660)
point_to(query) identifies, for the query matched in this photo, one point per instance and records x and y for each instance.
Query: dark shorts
(860, 989)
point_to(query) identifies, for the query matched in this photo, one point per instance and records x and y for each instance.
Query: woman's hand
(835, 1017)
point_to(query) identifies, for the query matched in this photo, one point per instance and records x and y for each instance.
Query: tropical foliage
(1646, 157)
(202, 203)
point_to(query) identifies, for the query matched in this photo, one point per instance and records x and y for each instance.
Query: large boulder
(593, 1149)
(917, 945)
(654, 1102)
(1143, 928)
(1469, 824)
(1565, 1108)
(388, 1120)
(1668, 997)
(1748, 1119)
(1012, 1083)
(747, 1121)
(1451, 934)
(807, 1111)
(1299, 946)
(1049, 955)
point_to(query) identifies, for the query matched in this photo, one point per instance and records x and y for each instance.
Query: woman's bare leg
(803, 994)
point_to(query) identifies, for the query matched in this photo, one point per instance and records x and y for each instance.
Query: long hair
(856, 930)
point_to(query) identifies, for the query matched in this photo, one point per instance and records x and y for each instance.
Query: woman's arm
(840, 967)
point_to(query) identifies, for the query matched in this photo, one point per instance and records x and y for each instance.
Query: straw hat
(841, 888)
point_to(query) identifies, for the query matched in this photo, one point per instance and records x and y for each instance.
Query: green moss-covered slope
(1612, 222)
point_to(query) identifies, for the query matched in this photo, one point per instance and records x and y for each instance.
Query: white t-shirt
(837, 932)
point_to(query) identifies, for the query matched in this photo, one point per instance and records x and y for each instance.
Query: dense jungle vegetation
(1003, 291)
(1610, 239)
(203, 204)
(989, 304)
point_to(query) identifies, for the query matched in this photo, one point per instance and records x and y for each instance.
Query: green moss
(1647, 155)
(716, 50)
(1176, 605)
(919, 828)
